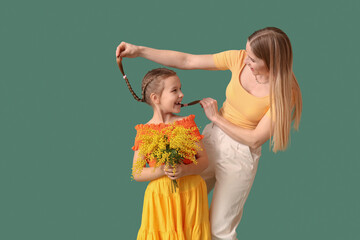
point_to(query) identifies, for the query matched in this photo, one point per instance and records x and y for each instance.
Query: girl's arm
(190, 169)
(253, 138)
(168, 58)
(148, 173)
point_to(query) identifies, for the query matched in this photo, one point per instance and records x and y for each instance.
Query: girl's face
(256, 65)
(171, 96)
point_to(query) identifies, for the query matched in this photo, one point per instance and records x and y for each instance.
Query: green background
(67, 118)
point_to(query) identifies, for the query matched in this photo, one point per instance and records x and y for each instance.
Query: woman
(262, 99)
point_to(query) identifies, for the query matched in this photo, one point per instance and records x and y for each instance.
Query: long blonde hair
(273, 46)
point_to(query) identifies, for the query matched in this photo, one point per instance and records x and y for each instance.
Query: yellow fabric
(180, 215)
(240, 107)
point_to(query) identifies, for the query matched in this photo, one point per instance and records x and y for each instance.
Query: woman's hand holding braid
(210, 108)
(127, 50)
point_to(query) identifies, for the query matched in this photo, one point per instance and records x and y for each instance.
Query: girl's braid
(144, 84)
(132, 91)
(118, 60)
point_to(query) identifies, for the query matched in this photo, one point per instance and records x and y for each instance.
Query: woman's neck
(262, 79)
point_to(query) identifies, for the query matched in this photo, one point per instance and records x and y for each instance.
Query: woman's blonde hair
(273, 46)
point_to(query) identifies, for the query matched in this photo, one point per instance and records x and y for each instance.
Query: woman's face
(256, 65)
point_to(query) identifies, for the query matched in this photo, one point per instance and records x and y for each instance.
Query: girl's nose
(181, 94)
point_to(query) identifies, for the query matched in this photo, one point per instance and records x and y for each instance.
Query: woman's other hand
(127, 50)
(210, 108)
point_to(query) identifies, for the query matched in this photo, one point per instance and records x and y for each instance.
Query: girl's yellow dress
(175, 215)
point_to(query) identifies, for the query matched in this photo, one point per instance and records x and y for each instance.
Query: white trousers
(231, 172)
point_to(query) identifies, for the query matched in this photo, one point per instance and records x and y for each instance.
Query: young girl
(183, 214)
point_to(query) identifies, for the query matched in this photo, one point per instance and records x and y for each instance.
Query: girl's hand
(210, 108)
(127, 50)
(179, 171)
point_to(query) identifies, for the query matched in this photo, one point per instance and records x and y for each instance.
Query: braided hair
(151, 83)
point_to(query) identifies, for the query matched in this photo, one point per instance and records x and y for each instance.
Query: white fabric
(231, 172)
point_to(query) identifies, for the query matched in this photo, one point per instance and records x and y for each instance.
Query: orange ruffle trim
(187, 122)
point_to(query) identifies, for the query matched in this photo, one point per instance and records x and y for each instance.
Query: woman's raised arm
(168, 58)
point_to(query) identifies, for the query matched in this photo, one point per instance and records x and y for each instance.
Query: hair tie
(124, 76)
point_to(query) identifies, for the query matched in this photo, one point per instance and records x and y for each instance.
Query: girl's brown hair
(273, 46)
(151, 83)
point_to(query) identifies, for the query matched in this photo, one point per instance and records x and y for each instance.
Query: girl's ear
(155, 99)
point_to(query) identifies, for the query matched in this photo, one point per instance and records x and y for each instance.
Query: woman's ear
(155, 99)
